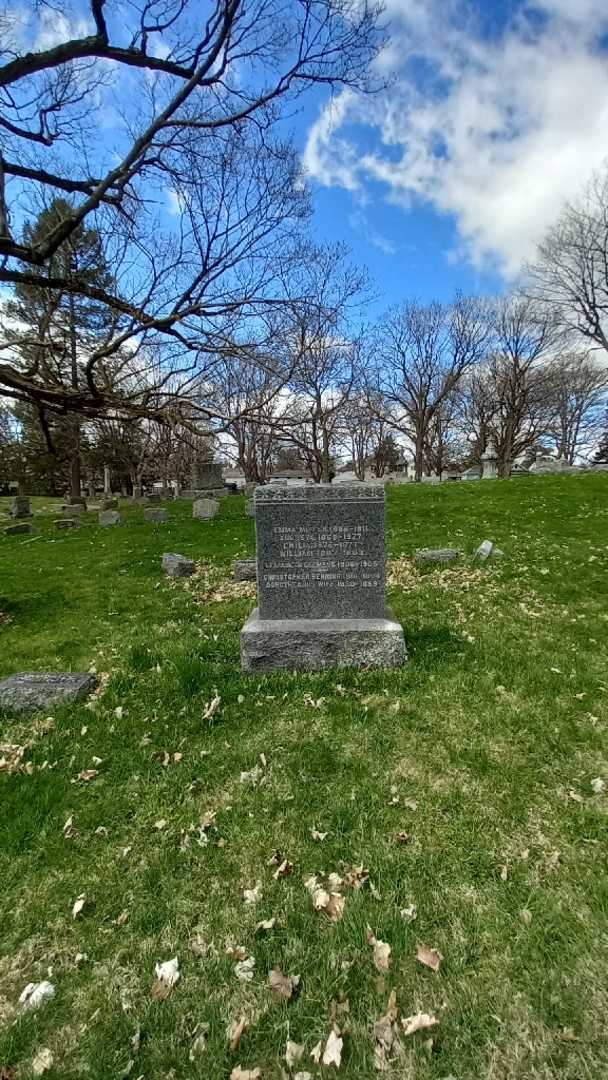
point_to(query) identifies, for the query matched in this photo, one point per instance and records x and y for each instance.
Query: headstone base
(316, 644)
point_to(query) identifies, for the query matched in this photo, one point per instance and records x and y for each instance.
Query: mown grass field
(482, 750)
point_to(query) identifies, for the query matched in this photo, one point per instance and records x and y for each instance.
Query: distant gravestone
(250, 508)
(17, 530)
(178, 565)
(205, 508)
(489, 461)
(109, 504)
(30, 692)
(436, 555)
(207, 476)
(77, 500)
(321, 577)
(20, 507)
(109, 517)
(73, 510)
(156, 515)
(67, 523)
(245, 570)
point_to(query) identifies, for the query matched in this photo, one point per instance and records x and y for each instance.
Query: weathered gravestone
(205, 508)
(157, 516)
(109, 504)
(73, 510)
(20, 506)
(178, 565)
(321, 574)
(67, 523)
(109, 517)
(245, 570)
(207, 478)
(16, 530)
(250, 508)
(29, 692)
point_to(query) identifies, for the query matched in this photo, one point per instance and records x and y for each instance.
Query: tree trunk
(75, 467)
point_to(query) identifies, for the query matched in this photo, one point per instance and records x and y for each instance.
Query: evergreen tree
(57, 330)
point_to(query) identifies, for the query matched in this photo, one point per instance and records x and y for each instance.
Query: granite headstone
(321, 581)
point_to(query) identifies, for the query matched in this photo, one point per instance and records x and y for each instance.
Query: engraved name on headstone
(320, 552)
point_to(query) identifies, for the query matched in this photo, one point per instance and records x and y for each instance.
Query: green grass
(499, 718)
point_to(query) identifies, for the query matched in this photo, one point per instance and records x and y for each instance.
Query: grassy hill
(461, 785)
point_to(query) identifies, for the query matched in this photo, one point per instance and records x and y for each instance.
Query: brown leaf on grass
(265, 925)
(330, 903)
(409, 913)
(210, 708)
(332, 1054)
(244, 969)
(167, 976)
(382, 951)
(86, 775)
(293, 1053)
(7, 1073)
(403, 837)
(42, 1062)
(245, 1074)
(283, 986)
(11, 758)
(236, 1032)
(430, 958)
(284, 870)
(356, 877)
(316, 835)
(69, 832)
(78, 905)
(384, 1034)
(251, 896)
(420, 1021)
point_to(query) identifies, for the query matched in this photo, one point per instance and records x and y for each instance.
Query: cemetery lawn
(468, 784)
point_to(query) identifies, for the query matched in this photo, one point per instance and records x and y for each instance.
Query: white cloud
(494, 131)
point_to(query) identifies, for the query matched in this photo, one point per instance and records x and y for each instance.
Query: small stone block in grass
(35, 691)
(16, 530)
(67, 523)
(429, 556)
(177, 566)
(245, 570)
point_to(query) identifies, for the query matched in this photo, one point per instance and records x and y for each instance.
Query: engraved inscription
(330, 555)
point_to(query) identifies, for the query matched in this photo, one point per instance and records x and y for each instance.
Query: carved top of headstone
(320, 551)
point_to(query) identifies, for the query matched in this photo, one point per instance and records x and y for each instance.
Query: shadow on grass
(428, 643)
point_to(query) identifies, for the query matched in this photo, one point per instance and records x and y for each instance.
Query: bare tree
(247, 391)
(569, 277)
(578, 385)
(321, 353)
(424, 352)
(524, 340)
(196, 124)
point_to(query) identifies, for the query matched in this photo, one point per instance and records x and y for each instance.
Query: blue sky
(495, 114)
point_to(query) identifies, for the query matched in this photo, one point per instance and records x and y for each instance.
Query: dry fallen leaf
(251, 896)
(86, 775)
(244, 969)
(284, 870)
(408, 914)
(236, 1031)
(283, 986)
(245, 1074)
(420, 1021)
(403, 837)
(79, 903)
(167, 975)
(384, 1034)
(265, 925)
(36, 994)
(430, 958)
(293, 1053)
(598, 785)
(199, 1042)
(160, 824)
(382, 951)
(316, 835)
(330, 903)
(42, 1062)
(332, 1054)
(211, 707)
(68, 830)
(526, 916)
